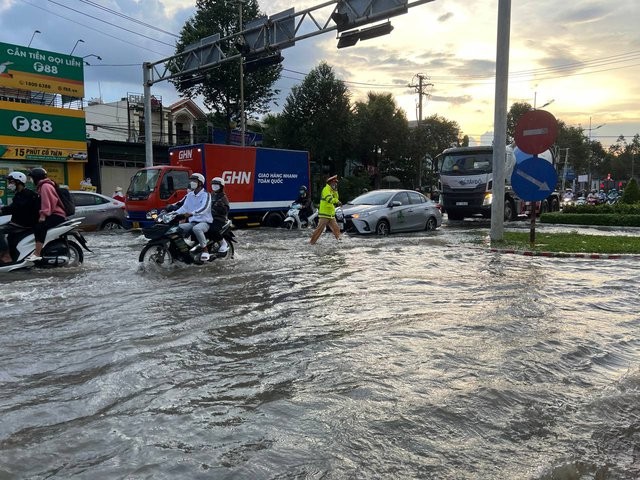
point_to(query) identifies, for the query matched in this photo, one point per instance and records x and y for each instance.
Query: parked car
(99, 211)
(389, 211)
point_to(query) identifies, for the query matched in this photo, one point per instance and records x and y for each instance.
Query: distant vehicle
(466, 181)
(390, 211)
(568, 198)
(99, 211)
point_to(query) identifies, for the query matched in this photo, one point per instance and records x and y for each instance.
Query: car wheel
(432, 224)
(111, 225)
(382, 228)
(509, 210)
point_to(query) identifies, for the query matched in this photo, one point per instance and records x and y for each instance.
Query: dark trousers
(40, 230)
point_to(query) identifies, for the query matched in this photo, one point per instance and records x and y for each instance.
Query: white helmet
(198, 176)
(217, 181)
(18, 176)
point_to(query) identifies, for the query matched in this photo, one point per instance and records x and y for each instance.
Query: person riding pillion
(220, 211)
(51, 213)
(329, 200)
(197, 210)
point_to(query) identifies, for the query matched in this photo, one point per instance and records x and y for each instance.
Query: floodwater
(407, 357)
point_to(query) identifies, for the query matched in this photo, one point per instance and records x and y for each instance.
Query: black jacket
(219, 206)
(25, 208)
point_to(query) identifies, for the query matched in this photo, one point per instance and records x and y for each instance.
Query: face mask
(11, 186)
(193, 185)
(216, 188)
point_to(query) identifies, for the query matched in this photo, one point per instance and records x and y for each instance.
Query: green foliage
(220, 87)
(631, 193)
(513, 115)
(604, 219)
(382, 132)
(571, 243)
(617, 208)
(317, 117)
(352, 186)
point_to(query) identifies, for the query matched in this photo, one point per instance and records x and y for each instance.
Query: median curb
(592, 256)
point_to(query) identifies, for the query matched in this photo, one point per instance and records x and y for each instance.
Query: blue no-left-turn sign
(534, 179)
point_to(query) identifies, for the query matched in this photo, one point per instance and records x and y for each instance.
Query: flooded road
(412, 356)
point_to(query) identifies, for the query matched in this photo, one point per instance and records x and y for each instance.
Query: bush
(605, 208)
(594, 218)
(631, 193)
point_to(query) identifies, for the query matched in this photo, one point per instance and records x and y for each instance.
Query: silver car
(387, 211)
(99, 211)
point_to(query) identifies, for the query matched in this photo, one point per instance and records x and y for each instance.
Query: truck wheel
(509, 210)
(544, 207)
(555, 205)
(274, 219)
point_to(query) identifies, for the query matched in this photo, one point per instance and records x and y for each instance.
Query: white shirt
(199, 205)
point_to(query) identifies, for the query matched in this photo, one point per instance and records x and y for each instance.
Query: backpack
(67, 201)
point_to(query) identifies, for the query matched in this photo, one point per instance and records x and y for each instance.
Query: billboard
(42, 133)
(39, 70)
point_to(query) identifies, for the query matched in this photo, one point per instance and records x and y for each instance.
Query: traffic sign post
(534, 179)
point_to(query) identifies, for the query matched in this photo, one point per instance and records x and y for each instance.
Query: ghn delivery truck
(261, 183)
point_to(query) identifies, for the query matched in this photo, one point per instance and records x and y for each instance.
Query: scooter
(62, 246)
(168, 245)
(293, 218)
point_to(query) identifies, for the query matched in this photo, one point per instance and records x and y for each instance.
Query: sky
(581, 58)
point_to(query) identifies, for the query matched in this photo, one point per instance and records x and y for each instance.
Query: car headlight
(488, 198)
(361, 215)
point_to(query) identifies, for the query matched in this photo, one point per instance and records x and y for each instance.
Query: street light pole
(591, 148)
(34, 34)
(242, 119)
(74, 47)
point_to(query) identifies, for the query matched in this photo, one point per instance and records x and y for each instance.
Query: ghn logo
(231, 177)
(185, 155)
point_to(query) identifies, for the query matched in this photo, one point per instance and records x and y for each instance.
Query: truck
(465, 176)
(261, 183)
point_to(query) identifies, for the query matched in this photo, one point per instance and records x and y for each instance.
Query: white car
(390, 211)
(99, 211)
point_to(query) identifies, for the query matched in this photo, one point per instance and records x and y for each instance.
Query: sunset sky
(584, 57)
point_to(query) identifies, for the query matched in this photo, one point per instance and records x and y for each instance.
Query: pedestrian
(118, 195)
(327, 212)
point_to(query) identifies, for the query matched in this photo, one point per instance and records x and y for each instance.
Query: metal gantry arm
(265, 35)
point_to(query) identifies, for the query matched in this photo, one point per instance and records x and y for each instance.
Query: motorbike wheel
(156, 253)
(59, 247)
(288, 225)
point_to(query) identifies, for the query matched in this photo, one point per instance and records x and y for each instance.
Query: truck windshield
(466, 163)
(143, 183)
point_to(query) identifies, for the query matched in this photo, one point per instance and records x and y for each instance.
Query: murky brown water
(403, 357)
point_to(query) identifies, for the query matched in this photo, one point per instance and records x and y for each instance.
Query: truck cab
(151, 188)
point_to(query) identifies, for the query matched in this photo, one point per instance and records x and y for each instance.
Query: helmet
(18, 177)
(197, 176)
(38, 174)
(303, 188)
(217, 181)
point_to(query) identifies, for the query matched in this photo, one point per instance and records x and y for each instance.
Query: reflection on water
(402, 357)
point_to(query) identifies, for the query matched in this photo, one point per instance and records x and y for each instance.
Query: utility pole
(420, 90)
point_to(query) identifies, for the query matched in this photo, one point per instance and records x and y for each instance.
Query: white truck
(465, 183)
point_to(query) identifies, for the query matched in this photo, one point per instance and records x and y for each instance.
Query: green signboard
(40, 70)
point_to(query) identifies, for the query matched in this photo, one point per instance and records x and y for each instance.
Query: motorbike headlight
(488, 198)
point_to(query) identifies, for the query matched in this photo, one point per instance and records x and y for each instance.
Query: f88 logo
(23, 124)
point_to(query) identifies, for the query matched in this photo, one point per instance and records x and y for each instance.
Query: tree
(382, 132)
(317, 117)
(220, 86)
(515, 112)
(631, 192)
(428, 140)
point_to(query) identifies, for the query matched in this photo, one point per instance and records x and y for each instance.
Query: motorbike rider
(219, 210)
(197, 210)
(24, 211)
(304, 200)
(51, 212)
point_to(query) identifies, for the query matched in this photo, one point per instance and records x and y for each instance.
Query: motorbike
(168, 245)
(62, 246)
(293, 219)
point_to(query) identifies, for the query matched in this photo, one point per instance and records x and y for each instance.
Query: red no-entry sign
(536, 131)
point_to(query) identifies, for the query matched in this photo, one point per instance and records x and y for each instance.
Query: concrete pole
(148, 122)
(500, 119)
(242, 121)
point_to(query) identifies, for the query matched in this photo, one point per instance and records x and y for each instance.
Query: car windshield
(372, 198)
(466, 163)
(143, 183)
